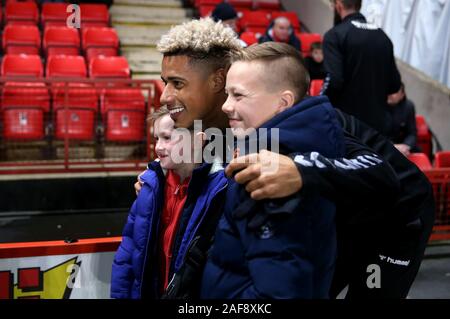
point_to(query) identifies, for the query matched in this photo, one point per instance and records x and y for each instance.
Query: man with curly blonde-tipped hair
(194, 67)
(170, 212)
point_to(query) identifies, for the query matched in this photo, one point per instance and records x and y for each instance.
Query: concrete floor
(433, 279)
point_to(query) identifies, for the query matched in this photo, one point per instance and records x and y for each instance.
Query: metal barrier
(75, 125)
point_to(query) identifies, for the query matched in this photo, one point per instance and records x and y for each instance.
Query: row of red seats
(28, 124)
(95, 41)
(24, 104)
(24, 65)
(91, 14)
(122, 114)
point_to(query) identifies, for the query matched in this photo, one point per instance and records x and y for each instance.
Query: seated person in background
(280, 30)
(404, 130)
(314, 62)
(164, 219)
(225, 12)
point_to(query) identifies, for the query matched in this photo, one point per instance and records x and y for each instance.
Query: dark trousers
(397, 252)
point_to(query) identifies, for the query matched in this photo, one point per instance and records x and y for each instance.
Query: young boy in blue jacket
(175, 197)
(292, 255)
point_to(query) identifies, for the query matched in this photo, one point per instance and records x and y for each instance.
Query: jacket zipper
(194, 236)
(146, 248)
(171, 247)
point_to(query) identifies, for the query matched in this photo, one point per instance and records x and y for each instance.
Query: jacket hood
(308, 126)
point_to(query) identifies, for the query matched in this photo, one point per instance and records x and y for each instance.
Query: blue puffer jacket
(134, 270)
(293, 254)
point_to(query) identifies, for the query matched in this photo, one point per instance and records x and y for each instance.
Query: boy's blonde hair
(203, 41)
(283, 66)
(162, 111)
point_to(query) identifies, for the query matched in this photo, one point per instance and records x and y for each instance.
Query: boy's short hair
(316, 46)
(160, 112)
(283, 65)
(204, 41)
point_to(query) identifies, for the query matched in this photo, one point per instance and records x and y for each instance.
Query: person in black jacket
(280, 30)
(375, 229)
(360, 66)
(404, 130)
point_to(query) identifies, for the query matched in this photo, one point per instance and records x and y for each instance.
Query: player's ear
(217, 80)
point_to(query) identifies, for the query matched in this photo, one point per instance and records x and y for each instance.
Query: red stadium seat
(79, 95)
(241, 12)
(268, 4)
(94, 15)
(205, 10)
(442, 159)
(23, 124)
(24, 13)
(122, 99)
(254, 21)
(213, 3)
(123, 111)
(125, 125)
(77, 124)
(66, 66)
(19, 39)
(109, 67)
(249, 37)
(61, 41)
(258, 31)
(25, 95)
(316, 87)
(421, 160)
(423, 135)
(307, 39)
(292, 16)
(8, 1)
(54, 14)
(99, 41)
(22, 65)
(241, 3)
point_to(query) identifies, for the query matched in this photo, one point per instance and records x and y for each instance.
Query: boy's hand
(256, 170)
(138, 184)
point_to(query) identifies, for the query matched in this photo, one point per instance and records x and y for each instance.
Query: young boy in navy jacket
(292, 255)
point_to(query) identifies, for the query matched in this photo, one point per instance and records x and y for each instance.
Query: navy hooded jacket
(293, 254)
(135, 270)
